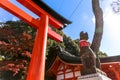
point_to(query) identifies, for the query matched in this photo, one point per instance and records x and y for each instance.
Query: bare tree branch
(98, 26)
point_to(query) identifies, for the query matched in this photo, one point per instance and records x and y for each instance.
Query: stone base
(96, 76)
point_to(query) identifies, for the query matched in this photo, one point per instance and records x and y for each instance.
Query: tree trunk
(98, 27)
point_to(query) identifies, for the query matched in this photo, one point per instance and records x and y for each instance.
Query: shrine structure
(65, 66)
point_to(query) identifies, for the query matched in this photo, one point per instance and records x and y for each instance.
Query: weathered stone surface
(96, 76)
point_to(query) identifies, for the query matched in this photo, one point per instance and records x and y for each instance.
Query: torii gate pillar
(37, 63)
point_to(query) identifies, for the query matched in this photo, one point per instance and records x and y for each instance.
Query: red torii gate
(37, 63)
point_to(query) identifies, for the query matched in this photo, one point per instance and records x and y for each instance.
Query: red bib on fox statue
(83, 43)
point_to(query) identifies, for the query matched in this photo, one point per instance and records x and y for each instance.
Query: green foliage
(77, 41)
(20, 27)
(102, 54)
(71, 46)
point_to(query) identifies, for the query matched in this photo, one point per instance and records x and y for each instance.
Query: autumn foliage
(15, 50)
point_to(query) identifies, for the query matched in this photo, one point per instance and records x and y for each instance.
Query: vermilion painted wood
(37, 10)
(8, 6)
(27, 18)
(52, 35)
(113, 70)
(37, 64)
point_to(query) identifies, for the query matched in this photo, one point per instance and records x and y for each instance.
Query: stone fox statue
(87, 56)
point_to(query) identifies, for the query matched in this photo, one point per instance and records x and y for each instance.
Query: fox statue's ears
(82, 33)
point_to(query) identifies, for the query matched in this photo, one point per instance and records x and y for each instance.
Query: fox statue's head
(83, 36)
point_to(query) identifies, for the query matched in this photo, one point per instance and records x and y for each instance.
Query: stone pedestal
(96, 76)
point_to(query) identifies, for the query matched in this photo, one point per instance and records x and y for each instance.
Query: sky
(82, 17)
